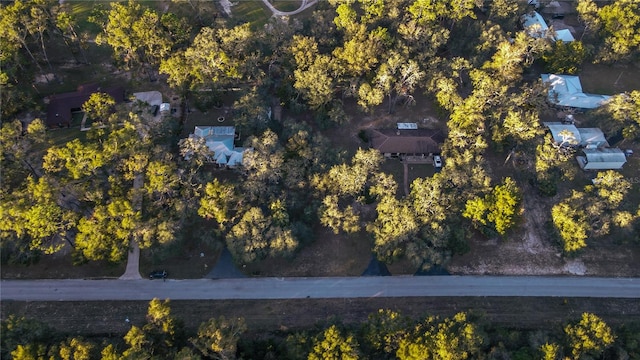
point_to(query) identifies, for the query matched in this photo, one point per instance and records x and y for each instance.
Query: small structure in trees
(602, 159)
(62, 105)
(407, 143)
(220, 140)
(566, 90)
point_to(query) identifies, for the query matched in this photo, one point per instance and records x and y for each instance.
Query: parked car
(158, 274)
(437, 162)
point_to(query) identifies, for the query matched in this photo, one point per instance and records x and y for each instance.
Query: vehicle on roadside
(158, 274)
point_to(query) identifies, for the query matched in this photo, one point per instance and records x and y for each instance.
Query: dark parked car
(158, 274)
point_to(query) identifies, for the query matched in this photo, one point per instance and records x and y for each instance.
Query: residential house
(566, 90)
(407, 142)
(536, 27)
(220, 140)
(61, 106)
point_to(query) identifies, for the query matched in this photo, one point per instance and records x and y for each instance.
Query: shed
(602, 159)
(570, 135)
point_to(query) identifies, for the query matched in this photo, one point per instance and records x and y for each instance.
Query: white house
(566, 90)
(536, 27)
(220, 140)
(602, 159)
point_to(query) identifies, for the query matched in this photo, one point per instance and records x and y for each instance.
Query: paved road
(296, 288)
(303, 6)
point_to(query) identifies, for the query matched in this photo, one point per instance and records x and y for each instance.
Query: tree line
(386, 334)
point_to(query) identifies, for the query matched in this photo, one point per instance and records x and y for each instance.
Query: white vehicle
(437, 161)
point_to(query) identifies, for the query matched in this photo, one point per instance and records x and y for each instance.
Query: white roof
(564, 35)
(407, 126)
(566, 90)
(558, 128)
(535, 25)
(150, 97)
(165, 107)
(612, 155)
(219, 139)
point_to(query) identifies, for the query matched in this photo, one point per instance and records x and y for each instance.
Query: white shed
(602, 159)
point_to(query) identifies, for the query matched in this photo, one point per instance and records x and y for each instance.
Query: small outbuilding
(570, 135)
(602, 159)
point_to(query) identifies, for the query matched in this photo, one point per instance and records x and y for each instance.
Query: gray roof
(613, 155)
(591, 135)
(581, 136)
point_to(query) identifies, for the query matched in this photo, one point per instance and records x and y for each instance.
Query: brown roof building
(414, 142)
(62, 105)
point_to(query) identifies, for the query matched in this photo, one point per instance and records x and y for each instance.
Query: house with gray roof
(407, 143)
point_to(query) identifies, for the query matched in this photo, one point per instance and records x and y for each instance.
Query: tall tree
(218, 337)
(332, 344)
(589, 337)
(499, 209)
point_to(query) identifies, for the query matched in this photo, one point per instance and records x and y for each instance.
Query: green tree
(34, 216)
(620, 26)
(338, 220)
(217, 200)
(571, 224)
(565, 58)
(18, 150)
(589, 337)
(624, 110)
(550, 351)
(135, 34)
(257, 236)
(218, 337)
(107, 233)
(499, 209)
(450, 339)
(28, 334)
(76, 349)
(316, 82)
(332, 344)
(99, 107)
(384, 330)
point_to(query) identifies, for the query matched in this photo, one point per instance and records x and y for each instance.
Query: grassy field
(269, 316)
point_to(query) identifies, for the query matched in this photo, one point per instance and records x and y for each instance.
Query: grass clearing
(254, 12)
(286, 5)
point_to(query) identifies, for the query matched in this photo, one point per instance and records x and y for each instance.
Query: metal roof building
(602, 159)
